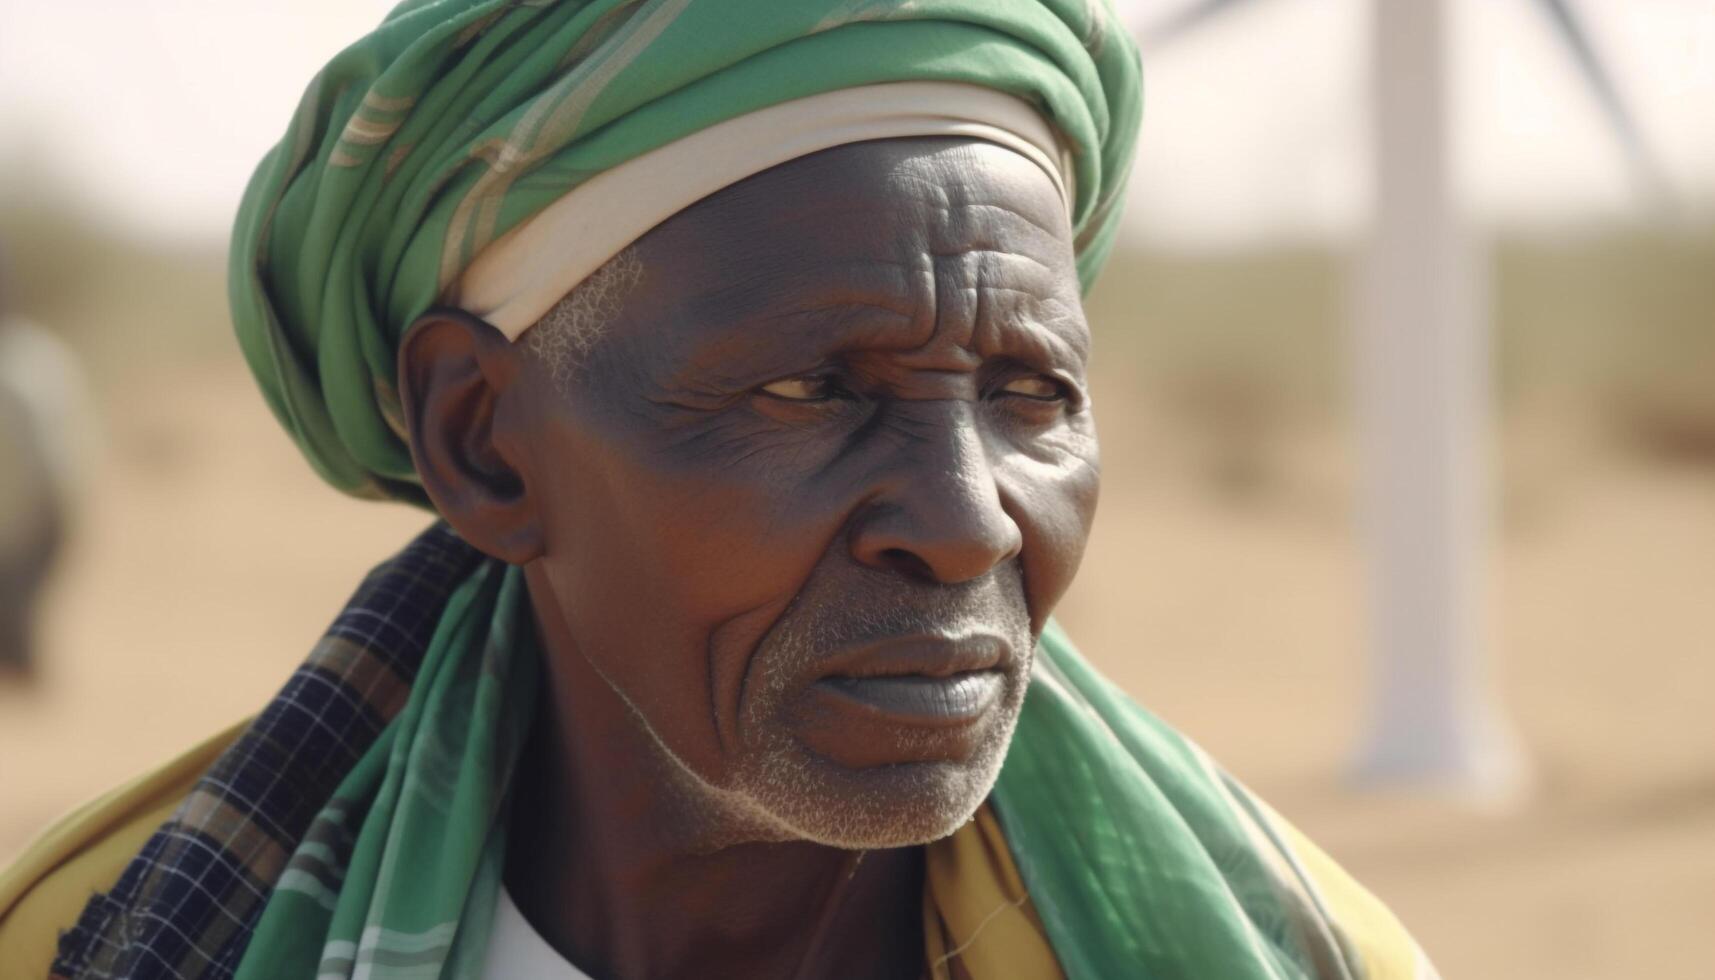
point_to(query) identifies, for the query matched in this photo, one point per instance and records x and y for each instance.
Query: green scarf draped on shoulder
(450, 124)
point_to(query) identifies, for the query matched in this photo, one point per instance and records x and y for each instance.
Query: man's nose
(938, 515)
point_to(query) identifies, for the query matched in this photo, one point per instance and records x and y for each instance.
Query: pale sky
(1254, 126)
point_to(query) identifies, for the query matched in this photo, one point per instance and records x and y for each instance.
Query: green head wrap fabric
(455, 120)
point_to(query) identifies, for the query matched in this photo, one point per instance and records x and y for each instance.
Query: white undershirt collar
(516, 951)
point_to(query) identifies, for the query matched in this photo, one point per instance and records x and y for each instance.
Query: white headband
(521, 275)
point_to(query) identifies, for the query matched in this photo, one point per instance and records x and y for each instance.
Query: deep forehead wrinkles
(900, 245)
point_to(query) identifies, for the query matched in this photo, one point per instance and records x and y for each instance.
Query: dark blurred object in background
(42, 399)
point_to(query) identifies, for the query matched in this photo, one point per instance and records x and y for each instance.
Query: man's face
(813, 494)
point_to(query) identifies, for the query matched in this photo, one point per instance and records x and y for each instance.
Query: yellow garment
(1385, 949)
(974, 901)
(44, 891)
(978, 922)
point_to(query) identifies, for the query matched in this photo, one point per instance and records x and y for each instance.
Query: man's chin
(901, 806)
(902, 802)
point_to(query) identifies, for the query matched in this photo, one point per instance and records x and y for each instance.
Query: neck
(620, 860)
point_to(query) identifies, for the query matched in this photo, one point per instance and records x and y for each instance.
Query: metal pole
(1423, 401)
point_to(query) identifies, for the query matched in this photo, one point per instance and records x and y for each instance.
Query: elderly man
(738, 347)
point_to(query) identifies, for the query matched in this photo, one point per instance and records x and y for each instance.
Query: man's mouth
(931, 681)
(922, 698)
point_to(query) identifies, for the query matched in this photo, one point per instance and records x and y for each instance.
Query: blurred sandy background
(1223, 585)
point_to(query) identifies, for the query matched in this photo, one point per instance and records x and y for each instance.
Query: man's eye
(806, 388)
(1035, 386)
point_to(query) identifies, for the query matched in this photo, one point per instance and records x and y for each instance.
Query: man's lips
(953, 699)
(920, 680)
(924, 656)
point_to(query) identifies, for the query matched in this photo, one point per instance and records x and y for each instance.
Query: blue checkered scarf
(187, 904)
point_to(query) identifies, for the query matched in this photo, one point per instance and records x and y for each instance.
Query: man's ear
(456, 373)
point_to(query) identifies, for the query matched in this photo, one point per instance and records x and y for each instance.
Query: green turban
(456, 120)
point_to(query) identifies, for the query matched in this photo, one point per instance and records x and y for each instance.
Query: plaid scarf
(187, 904)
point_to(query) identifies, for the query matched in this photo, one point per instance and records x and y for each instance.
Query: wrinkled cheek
(1055, 514)
(740, 545)
(753, 560)
(627, 622)
(679, 576)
